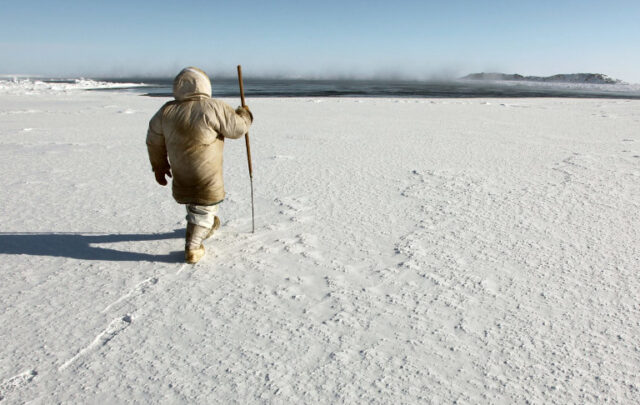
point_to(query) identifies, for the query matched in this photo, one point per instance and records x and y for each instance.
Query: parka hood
(191, 83)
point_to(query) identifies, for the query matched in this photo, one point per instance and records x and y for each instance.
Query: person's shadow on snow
(82, 246)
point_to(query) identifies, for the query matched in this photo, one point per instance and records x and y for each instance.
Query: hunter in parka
(185, 141)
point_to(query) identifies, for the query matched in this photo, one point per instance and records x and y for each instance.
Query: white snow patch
(35, 87)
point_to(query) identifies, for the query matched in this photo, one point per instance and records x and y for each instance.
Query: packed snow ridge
(590, 78)
(21, 85)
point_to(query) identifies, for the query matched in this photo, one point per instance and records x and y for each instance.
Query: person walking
(185, 142)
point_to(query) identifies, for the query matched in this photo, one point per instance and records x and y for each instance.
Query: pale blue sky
(416, 39)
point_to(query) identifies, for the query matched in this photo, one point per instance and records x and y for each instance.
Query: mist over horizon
(249, 71)
(226, 73)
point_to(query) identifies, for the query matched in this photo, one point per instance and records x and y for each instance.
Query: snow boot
(216, 225)
(193, 256)
(193, 247)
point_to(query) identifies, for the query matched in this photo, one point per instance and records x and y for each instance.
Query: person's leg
(202, 215)
(201, 222)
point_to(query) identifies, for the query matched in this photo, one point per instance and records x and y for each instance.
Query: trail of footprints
(139, 289)
(118, 324)
(113, 329)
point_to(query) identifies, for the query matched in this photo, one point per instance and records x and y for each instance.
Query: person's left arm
(157, 149)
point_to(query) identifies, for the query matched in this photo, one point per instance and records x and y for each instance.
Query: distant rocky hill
(595, 78)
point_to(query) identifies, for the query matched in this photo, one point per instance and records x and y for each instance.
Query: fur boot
(193, 247)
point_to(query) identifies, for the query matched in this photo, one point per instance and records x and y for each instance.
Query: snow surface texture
(406, 251)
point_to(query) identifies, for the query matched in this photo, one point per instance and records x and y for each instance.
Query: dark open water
(161, 87)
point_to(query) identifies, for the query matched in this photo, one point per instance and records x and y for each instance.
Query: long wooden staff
(246, 139)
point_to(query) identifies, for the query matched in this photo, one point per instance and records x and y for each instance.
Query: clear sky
(415, 39)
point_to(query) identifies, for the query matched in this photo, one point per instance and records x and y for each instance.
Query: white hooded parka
(187, 135)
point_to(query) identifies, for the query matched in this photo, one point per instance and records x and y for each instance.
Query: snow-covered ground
(406, 251)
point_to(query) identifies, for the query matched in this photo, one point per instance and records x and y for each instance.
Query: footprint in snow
(293, 207)
(16, 382)
(116, 326)
(416, 183)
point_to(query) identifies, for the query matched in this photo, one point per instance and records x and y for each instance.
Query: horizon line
(311, 77)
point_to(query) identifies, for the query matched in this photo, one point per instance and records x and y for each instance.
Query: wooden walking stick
(246, 140)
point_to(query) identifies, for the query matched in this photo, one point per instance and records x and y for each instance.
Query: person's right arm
(233, 123)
